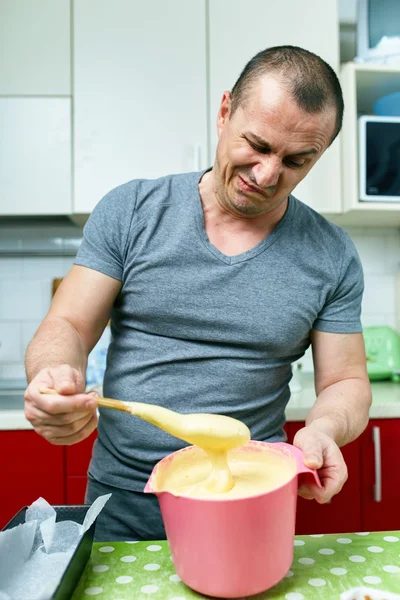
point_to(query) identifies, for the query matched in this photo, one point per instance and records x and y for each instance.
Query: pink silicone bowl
(235, 547)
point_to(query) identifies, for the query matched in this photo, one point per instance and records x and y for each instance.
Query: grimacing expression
(266, 148)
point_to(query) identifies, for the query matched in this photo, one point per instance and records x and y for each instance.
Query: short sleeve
(342, 310)
(106, 231)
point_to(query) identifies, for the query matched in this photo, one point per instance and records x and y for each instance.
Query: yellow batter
(217, 466)
(255, 470)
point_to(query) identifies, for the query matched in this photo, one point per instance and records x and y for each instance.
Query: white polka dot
(136, 542)
(363, 533)
(317, 535)
(356, 558)
(175, 578)
(306, 561)
(100, 568)
(93, 591)
(107, 549)
(344, 541)
(391, 538)
(338, 571)
(372, 579)
(391, 569)
(124, 579)
(326, 551)
(317, 582)
(294, 596)
(374, 549)
(154, 548)
(151, 567)
(128, 559)
(289, 574)
(299, 543)
(149, 589)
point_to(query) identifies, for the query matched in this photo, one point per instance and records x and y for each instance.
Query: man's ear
(224, 111)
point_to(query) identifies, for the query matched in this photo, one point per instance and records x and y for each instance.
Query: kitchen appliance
(378, 31)
(236, 547)
(379, 158)
(382, 346)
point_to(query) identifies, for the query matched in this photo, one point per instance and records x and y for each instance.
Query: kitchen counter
(385, 404)
(385, 399)
(323, 567)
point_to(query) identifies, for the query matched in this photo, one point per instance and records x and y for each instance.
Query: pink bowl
(235, 547)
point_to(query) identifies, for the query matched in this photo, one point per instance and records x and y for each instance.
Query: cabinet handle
(376, 436)
(197, 157)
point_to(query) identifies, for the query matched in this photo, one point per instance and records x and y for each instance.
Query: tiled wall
(25, 282)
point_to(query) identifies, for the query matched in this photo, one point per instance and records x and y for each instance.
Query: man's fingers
(56, 404)
(38, 417)
(80, 435)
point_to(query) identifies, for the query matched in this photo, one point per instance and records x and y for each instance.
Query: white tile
(68, 262)
(392, 243)
(12, 371)
(28, 331)
(372, 251)
(374, 320)
(10, 341)
(379, 295)
(21, 300)
(39, 268)
(10, 268)
(46, 291)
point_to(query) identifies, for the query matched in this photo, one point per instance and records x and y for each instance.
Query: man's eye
(258, 148)
(294, 164)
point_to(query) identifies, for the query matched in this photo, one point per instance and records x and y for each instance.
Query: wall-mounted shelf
(363, 84)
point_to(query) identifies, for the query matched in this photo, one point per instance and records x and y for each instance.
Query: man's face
(266, 148)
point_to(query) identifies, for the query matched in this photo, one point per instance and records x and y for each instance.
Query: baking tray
(77, 563)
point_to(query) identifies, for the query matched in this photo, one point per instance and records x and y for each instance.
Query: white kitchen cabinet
(140, 96)
(35, 52)
(363, 84)
(35, 156)
(238, 30)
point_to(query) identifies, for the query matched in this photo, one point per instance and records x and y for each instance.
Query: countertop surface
(385, 404)
(324, 566)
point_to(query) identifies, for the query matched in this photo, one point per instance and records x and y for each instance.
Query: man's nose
(267, 171)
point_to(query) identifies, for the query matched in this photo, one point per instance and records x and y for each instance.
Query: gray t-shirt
(195, 330)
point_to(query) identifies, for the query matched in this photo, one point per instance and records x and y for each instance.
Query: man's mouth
(247, 187)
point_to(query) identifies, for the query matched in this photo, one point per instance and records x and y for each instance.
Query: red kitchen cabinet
(76, 466)
(30, 467)
(380, 489)
(343, 513)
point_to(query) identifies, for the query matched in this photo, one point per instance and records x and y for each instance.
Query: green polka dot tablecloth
(324, 566)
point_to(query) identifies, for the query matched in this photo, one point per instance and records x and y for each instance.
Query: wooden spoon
(208, 431)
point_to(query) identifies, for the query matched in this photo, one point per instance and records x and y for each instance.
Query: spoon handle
(106, 402)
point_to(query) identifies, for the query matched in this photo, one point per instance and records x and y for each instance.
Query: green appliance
(382, 346)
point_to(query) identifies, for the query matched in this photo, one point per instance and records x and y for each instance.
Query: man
(215, 283)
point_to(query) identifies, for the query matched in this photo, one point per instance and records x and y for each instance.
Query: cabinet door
(35, 56)
(78, 456)
(343, 513)
(30, 468)
(35, 156)
(140, 98)
(238, 30)
(380, 469)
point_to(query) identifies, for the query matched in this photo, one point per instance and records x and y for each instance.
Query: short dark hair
(313, 83)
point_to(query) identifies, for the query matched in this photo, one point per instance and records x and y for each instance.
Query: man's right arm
(57, 356)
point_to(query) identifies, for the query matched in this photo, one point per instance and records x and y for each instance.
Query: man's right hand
(65, 418)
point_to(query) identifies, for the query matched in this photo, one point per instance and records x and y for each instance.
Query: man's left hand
(321, 453)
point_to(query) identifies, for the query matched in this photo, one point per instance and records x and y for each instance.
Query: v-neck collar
(248, 254)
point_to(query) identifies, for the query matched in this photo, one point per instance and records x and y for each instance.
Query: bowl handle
(298, 455)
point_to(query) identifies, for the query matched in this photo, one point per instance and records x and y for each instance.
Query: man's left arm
(340, 413)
